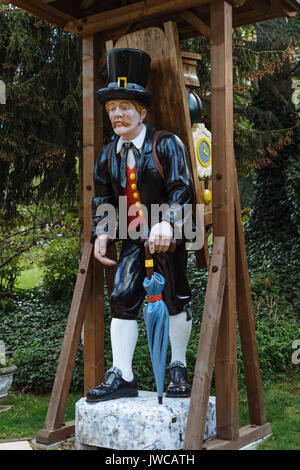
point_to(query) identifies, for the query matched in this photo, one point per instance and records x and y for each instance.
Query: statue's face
(125, 119)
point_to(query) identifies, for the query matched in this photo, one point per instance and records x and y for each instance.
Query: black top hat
(127, 76)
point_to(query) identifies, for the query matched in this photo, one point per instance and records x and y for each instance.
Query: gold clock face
(204, 152)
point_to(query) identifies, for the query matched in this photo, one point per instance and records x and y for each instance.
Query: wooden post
(206, 348)
(223, 214)
(92, 142)
(246, 322)
(54, 429)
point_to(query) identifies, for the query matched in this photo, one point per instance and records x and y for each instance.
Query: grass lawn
(29, 278)
(28, 413)
(282, 406)
(32, 274)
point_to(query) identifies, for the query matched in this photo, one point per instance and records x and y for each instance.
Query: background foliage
(41, 121)
(40, 154)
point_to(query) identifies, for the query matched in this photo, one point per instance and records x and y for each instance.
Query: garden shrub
(33, 329)
(59, 260)
(33, 322)
(275, 338)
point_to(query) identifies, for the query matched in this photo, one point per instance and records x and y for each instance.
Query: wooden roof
(86, 17)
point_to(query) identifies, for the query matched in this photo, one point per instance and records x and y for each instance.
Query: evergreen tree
(273, 230)
(274, 114)
(41, 122)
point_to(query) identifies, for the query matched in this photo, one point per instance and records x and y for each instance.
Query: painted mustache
(123, 121)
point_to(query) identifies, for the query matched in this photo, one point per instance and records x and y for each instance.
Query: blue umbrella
(156, 318)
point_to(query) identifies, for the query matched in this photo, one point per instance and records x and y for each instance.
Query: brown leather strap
(154, 155)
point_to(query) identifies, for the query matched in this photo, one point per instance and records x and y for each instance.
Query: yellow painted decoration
(207, 196)
(138, 204)
(135, 195)
(132, 176)
(204, 152)
(122, 82)
(149, 263)
(133, 186)
(141, 213)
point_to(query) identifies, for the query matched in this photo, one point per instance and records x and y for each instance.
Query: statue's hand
(100, 248)
(160, 237)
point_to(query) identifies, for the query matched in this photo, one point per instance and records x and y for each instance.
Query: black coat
(175, 188)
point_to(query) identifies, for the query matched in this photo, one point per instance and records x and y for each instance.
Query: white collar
(137, 141)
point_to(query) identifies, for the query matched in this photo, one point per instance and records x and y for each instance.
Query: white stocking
(179, 332)
(123, 335)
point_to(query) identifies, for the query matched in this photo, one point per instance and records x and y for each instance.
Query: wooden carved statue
(150, 169)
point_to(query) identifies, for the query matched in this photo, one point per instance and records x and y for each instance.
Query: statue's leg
(124, 334)
(179, 331)
(125, 301)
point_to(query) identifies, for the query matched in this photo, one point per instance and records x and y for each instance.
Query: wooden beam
(191, 55)
(184, 132)
(62, 382)
(246, 321)
(196, 22)
(253, 16)
(206, 348)
(223, 213)
(131, 13)
(44, 11)
(241, 16)
(235, 3)
(239, 3)
(259, 5)
(92, 123)
(293, 5)
(248, 435)
(46, 436)
(84, 4)
(285, 8)
(171, 33)
(92, 141)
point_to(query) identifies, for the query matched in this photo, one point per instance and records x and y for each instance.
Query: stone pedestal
(6, 379)
(136, 423)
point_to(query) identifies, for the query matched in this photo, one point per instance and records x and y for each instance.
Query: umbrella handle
(149, 257)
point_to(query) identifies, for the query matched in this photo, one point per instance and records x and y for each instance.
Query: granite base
(138, 423)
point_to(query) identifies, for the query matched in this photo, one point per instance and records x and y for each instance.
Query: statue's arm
(178, 179)
(103, 193)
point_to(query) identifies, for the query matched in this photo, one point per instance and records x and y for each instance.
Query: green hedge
(33, 322)
(33, 326)
(33, 329)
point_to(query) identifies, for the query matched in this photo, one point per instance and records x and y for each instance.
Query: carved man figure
(127, 167)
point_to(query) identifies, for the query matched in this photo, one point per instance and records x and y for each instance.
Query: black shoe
(113, 387)
(178, 386)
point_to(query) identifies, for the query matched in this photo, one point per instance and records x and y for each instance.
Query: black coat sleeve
(178, 179)
(103, 192)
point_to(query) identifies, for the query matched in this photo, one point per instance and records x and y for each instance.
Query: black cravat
(123, 167)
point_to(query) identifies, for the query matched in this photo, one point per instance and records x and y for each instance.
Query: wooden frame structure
(228, 290)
